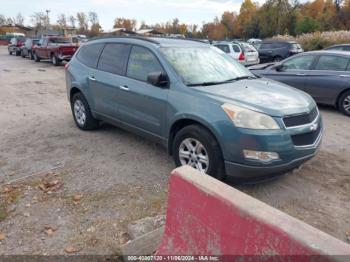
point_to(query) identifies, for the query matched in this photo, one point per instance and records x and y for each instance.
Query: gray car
(325, 75)
(208, 110)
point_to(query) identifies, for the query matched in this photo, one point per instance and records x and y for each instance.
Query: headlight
(246, 118)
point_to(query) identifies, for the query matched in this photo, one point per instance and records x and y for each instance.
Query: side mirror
(279, 67)
(158, 79)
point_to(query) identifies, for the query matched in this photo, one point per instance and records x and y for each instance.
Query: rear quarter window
(332, 63)
(89, 54)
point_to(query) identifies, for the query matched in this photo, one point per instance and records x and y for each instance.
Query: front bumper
(291, 156)
(235, 170)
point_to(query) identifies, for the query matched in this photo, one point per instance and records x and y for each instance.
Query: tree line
(274, 17)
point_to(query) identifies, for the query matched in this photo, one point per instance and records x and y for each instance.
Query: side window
(346, 48)
(114, 58)
(224, 48)
(332, 62)
(41, 41)
(89, 54)
(299, 63)
(141, 63)
(236, 48)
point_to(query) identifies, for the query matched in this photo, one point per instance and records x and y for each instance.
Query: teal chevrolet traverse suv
(209, 111)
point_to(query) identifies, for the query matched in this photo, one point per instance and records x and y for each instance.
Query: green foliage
(307, 25)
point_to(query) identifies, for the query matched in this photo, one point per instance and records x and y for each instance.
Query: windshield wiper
(222, 82)
(205, 84)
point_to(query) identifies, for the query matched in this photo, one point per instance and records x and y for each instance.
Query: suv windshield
(204, 65)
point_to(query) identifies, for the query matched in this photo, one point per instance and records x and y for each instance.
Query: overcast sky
(150, 11)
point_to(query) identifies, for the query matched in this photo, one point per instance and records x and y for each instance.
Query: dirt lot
(87, 186)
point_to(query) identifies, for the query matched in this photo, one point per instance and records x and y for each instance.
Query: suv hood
(262, 95)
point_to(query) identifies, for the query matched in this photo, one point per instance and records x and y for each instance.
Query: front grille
(299, 120)
(306, 138)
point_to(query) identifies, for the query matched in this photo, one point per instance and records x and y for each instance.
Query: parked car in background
(342, 47)
(14, 47)
(276, 51)
(243, 52)
(55, 48)
(27, 48)
(325, 75)
(210, 113)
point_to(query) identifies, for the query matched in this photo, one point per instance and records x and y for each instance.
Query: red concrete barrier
(208, 217)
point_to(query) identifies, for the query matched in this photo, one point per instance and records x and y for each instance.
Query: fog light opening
(264, 157)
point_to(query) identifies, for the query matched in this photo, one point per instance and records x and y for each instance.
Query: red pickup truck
(55, 48)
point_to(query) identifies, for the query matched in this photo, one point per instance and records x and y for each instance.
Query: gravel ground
(85, 187)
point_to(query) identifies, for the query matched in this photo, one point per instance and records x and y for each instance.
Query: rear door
(143, 105)
(107, 79)
(328, 79)
(294, 72)
(236, 51)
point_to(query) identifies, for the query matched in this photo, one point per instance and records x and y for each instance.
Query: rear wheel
(36, 58)
(195, 146)
(82, 114)
(277, 59)
(344, 103)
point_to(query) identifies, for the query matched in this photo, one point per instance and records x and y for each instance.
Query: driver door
(294, 71)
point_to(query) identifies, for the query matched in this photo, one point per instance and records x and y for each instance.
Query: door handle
(301, 74)
(125, 88)
(92, 78)
(347, 76)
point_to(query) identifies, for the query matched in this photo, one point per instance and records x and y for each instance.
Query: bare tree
(62, 20)
(2, 19)
(72, 20)
(19, 20)
(82, 21)
(39, 19)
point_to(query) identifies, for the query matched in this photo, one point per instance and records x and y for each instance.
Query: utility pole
(47, 19)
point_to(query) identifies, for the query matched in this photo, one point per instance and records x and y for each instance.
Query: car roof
(339, 45)
(278, 41)
(158, 41)
(327, 52)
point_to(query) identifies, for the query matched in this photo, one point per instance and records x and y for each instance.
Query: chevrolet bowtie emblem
(314, 127)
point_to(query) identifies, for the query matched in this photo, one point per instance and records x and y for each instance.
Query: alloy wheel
(346, 104)
(79, 112)
(193, 153)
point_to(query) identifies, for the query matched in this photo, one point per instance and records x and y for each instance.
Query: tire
(344, 103)
(30, 55)
(277, 59)
(82, 113)
(207, 148)
(36, 57)
(10, 53)
(55, 61)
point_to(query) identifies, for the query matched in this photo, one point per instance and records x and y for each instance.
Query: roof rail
(125, 37)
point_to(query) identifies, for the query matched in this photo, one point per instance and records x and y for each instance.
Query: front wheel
(195, 146)
(344, 103)
(55, 61)
(82, 114)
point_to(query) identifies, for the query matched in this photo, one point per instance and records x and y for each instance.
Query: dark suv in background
(276, 51)
(27, 48)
